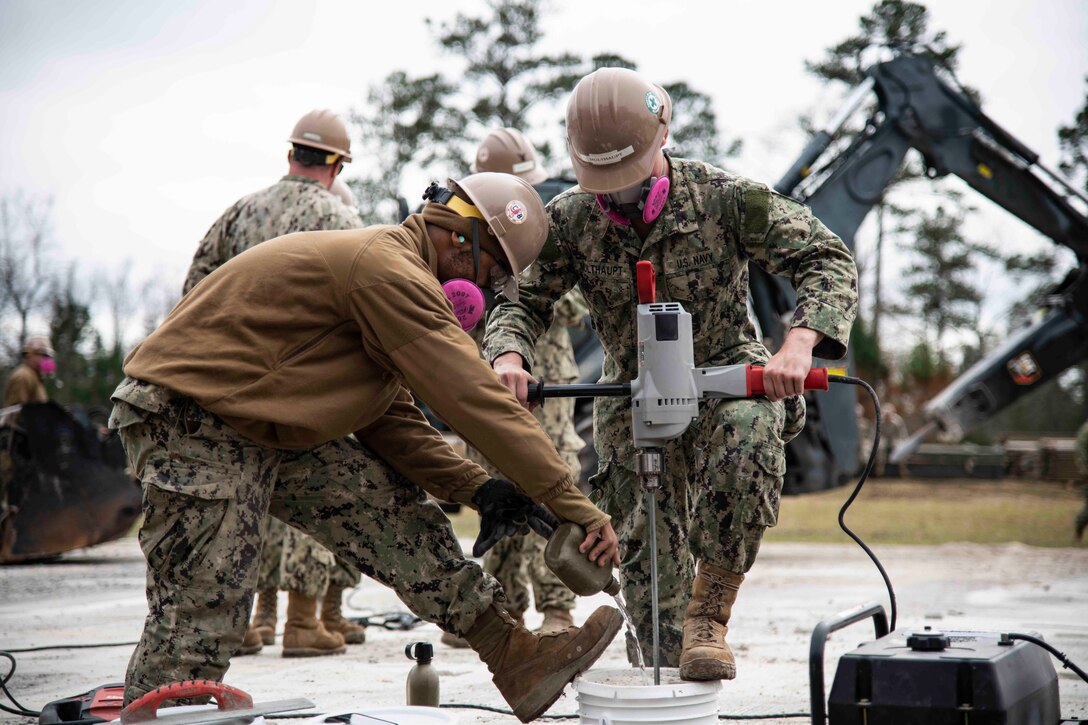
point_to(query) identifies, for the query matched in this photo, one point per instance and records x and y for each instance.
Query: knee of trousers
(739, 552)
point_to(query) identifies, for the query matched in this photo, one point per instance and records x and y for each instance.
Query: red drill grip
(226, 697)
(815, 380)
(646, 280)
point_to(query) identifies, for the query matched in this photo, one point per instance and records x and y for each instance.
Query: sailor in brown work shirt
(25, 383)
(329, 333)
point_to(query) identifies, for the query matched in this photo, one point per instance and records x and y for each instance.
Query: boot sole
(249, 650)
(311, 652)
(553, 686)
(702, 670)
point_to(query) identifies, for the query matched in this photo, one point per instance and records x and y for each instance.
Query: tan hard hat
(39, 346)
(342, 192)
(616, 121)
(507, 151)
(514, 213)
(323, 129)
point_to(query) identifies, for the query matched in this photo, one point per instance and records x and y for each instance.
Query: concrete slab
(96, 596)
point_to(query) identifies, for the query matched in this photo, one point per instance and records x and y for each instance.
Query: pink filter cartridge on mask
(655, 199)
(467, 300)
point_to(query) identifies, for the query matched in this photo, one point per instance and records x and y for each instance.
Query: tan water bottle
(582, 576)
(421, 690)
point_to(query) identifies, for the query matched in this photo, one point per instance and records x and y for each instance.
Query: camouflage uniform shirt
(712, 225)
(292, 204)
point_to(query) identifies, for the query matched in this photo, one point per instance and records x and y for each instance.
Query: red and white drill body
(665, 396)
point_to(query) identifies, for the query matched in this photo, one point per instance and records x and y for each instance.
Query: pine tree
(892, 26)
(496, 77)
(939, 289)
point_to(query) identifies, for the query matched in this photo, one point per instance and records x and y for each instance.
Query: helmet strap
(475, 249)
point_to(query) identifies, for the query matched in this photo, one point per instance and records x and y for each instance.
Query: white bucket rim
(585, 684)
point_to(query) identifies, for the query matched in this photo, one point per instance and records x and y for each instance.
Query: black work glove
(506, 511)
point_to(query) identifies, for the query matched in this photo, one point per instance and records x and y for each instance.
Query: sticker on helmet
(652, 103)
(483, 155)
(515, 211)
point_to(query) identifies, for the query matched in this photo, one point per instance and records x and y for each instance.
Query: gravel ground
(96, 596)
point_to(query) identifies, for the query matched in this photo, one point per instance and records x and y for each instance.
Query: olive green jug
(582, 576)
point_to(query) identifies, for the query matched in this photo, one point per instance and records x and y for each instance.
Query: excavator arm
(920, 111)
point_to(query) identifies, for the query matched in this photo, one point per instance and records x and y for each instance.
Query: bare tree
(116, 291)
(24, 264)
(159, 299)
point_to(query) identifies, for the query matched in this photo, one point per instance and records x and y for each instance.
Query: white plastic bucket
(618, 697)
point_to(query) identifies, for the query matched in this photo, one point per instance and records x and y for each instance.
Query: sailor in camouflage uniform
(699, 226)
(301, 201)
(518, 562)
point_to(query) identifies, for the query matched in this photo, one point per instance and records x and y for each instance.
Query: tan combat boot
(531, 670)
(555, 620)
(264, 618)
(706, 656)
(251, 643)
(452, 640)
(304, 635)
(334, 621)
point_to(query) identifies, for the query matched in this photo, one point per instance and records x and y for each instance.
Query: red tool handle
(815, 380)
(226, 697)
(646, 280)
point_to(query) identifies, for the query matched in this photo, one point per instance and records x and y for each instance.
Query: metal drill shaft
(648, 465)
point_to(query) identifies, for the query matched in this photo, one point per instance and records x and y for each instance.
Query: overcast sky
(145, 119)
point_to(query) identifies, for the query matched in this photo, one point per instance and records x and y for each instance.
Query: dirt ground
(96, 596)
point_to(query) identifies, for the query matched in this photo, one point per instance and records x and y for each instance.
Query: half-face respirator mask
(642, 201)
(469, 302)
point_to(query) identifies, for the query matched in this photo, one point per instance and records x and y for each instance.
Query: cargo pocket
(181, 531)
(203, 460)
(771, 461)
(200, 479)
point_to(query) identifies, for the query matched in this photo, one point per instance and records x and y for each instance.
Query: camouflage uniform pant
(207, 495)
(518, 562)
(720, 490)
(294, 562)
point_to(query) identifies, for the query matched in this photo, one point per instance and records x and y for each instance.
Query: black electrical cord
(4, 680)
(849, 380)
(1066, 662)
(94, 645)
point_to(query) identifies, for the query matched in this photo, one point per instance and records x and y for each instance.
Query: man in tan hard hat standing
(301, 201)
(25, 382)
(241, 402)
(699, 226)
(518, 562)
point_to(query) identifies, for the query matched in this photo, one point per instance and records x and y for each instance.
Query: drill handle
(815, 380)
